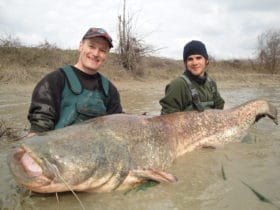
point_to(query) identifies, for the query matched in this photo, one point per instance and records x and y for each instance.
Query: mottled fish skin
(120, 151)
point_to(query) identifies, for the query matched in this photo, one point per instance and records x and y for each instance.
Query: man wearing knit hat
(75, 93)
(194, 89)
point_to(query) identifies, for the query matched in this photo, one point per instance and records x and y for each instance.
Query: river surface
(208, 179)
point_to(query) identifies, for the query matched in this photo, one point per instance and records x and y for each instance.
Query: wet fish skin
(118, 152)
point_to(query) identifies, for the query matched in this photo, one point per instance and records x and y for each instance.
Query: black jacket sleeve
(114, 105)
(45, 102)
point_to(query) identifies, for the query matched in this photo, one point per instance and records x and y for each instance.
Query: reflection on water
(255, 160)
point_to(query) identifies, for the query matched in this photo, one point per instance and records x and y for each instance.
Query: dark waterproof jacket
(44, 111)
(178, 95)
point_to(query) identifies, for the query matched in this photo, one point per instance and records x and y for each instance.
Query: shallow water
(255, 161)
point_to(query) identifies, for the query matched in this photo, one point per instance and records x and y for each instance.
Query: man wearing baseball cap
(75, 93)
(194, 89)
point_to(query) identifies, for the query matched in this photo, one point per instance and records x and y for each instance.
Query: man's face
(93, 53)
(196, 64)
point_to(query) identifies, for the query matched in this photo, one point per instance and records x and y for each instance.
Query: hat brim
(97, 35)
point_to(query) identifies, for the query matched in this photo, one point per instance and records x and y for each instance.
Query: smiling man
(194, 89)
(72, 94)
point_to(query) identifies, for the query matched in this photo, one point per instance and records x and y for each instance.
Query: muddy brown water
(255, 160)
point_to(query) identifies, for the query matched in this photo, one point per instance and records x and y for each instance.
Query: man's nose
(95, 51)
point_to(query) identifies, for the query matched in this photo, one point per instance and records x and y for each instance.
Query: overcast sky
(229, 28)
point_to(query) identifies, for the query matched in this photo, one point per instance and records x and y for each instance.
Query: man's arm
(176, 97)
(45, 102)
(114, 105)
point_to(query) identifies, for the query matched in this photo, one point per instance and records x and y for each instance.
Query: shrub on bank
(22, 64)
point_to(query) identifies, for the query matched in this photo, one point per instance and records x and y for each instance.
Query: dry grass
(25, 65)
(28, 64)
(7, 131)
(241, 74)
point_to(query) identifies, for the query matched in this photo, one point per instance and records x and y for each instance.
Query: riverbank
(145, 92)
(201, 182)
(224, 81)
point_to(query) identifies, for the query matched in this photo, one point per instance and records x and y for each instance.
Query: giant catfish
(121, 151)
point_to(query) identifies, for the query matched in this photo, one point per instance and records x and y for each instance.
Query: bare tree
(268, 57)
(10, 41)
(131, 49)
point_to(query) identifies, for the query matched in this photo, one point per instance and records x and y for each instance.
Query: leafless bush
(10, 41)
(268, 58)
(131, 49)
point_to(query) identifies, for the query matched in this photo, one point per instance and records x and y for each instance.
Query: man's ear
(81, 45)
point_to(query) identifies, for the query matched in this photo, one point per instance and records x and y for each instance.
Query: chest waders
(80, 104)
(196, 104)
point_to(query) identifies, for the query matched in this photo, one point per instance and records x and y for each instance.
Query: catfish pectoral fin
(155, 175)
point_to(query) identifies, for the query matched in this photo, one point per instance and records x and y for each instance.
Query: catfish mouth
(32, 172)
(26, 168)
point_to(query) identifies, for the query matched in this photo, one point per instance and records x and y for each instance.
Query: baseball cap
(95, 32)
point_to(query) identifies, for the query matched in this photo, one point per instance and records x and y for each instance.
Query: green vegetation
(143, 187)
(260, 196)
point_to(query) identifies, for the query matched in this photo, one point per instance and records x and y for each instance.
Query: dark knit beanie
(194, 48)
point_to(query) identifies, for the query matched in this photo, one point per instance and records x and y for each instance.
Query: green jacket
(178, 95)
